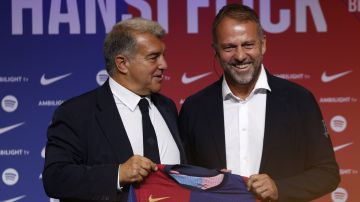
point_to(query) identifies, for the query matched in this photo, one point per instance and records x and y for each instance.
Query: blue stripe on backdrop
(67, 55)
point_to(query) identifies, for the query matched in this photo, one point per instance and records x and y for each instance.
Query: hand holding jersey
(263, 186)
(135, 169)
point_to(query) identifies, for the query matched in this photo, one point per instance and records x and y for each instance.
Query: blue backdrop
(38, 71)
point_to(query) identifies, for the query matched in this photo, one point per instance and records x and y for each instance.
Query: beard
(242, 73)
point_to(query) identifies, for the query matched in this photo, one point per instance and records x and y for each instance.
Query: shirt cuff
(119, 187)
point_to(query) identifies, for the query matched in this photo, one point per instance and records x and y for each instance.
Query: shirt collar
(124, 95)
(261, 86)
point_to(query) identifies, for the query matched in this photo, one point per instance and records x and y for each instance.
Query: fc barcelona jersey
(182, 183)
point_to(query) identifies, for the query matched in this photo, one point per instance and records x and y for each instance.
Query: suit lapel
(215, 117)
(110, 122)
(275, 120)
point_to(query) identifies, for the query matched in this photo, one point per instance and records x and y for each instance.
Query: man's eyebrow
(227, 44)
(154, 54)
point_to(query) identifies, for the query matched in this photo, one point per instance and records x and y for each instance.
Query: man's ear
(263, 49)
(122, 63)
(215, 50)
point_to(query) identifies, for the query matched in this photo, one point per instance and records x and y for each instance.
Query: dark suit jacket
(86, 143)
(297, 151)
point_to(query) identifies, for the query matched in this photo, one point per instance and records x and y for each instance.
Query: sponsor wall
(51, 50)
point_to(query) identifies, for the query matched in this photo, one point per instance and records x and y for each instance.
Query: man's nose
(240, 54)
(162, 63)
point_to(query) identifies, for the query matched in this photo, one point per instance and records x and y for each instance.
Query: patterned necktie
(151, 150)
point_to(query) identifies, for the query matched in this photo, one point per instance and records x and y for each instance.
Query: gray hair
(238, 12)
(121, 39)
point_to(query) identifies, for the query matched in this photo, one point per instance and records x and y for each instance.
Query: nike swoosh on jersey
(187, 80)
(328, 78)
(45, 81)
(151, 199)
(14, 199)
(7, 128)
(337, 148)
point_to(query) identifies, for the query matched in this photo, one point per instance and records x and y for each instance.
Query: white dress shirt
(244, 121)
(127, 105)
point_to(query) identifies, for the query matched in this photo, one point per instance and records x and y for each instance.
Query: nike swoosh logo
(7, 128)
(44, 81)
(328, 78)
(337, 148)
(187, 80)
(151, 199)
(14, 199)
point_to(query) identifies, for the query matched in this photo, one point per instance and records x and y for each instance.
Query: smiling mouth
(241, 66)
(159, 77)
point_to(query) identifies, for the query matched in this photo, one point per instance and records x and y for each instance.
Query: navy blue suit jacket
(297, 151)
(86, 143)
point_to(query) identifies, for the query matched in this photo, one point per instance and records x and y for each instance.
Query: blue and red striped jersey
(174, 183)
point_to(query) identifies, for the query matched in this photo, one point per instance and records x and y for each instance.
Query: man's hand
(224, 170)
(263, 186)
(135, 169)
